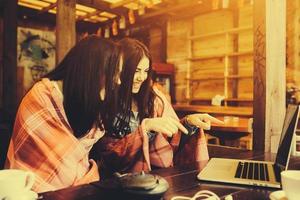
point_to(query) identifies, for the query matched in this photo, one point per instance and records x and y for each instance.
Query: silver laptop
(252, 172)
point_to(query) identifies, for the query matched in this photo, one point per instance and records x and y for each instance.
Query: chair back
(5, 134)
(6, 126)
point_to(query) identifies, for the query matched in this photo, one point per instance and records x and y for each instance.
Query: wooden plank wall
(245, 43)
(293, 44)
(178, 52)
(155, 35)
(214, 45)
(157, 41)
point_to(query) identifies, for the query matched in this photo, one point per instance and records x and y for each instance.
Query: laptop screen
(288, 130)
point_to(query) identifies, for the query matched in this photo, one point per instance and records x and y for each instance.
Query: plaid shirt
(43, 142)
(134, 152)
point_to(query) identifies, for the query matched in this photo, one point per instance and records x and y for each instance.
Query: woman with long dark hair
(60, 118)
(146, 131)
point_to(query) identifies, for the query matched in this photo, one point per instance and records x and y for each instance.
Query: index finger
(180, 126)
(213, 119)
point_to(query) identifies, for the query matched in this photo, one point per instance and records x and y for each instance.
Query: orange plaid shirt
(134, 152)
(43, 142)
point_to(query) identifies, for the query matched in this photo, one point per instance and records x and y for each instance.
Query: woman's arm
(129, 153)
(43, 143)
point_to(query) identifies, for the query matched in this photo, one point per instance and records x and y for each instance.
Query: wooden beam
(164, 37)
(269, 73)
(296, 54)
(46, 9)
(37, 20)
(104, 6)
(121, 3)
(175, 8)
(10, 57)
(235, 59)
(65, 27)
(89, 15)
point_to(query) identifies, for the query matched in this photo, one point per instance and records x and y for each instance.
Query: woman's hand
(165, 125)
(202, 120)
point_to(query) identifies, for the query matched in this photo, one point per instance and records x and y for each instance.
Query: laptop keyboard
(252, 170)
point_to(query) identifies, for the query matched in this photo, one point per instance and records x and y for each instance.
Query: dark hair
(133, 51)
(89, 66)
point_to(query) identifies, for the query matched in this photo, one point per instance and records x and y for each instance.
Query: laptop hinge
(277, 170)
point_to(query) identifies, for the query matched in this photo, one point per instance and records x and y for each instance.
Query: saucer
(278, 195)
(27, 195)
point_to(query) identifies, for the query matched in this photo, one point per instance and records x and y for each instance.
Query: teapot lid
(139, 180)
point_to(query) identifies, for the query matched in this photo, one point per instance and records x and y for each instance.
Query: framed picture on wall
(36, 54)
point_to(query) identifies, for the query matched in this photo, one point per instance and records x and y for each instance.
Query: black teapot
(135, 185)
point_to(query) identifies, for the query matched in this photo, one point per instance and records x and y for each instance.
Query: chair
(212, 139)
(6, 123)
(247, 141)
(5, 134)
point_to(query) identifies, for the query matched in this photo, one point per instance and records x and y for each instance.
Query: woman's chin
(135, 90)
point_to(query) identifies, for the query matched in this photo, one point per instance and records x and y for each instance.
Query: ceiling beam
(89, 15)
(46, 9)
(104, 6)
(121, 3)
(173, 9)
(50, 20)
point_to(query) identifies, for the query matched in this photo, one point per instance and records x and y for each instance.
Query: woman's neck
(134, 106)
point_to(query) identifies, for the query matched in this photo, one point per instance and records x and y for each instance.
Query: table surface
(182, 180)
(233, 124)
(215, 110)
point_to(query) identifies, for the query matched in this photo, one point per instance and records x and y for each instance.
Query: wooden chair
(212, 139)
(246, 141)
(5, 135)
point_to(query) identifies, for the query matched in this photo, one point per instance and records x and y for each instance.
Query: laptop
(252, 172)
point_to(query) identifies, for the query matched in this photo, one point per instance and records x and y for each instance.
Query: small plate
(26, 195)
(278, 195)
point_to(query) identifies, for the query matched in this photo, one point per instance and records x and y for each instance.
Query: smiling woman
(141, 74)
(146, 132)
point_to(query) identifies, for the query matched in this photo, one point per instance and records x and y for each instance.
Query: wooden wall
(245, 63)
(177, 53)
(210, 52)
(293, 44)
(179, 49)
(155, 44)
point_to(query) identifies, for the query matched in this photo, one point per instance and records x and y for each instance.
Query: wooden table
(228, 134)
(233, 124)
(182, 109)
(232, 130)
(182, 180)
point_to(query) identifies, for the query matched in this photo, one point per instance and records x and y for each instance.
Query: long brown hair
(87, 68)
(133, 51)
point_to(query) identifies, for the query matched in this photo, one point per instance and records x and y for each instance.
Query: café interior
(237, 60)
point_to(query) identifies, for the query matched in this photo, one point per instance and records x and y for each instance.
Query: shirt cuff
(191, 128)
(151, 134)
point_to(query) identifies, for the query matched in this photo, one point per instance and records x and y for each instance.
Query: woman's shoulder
(40, 92)
(159, 95)
(160, 100)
